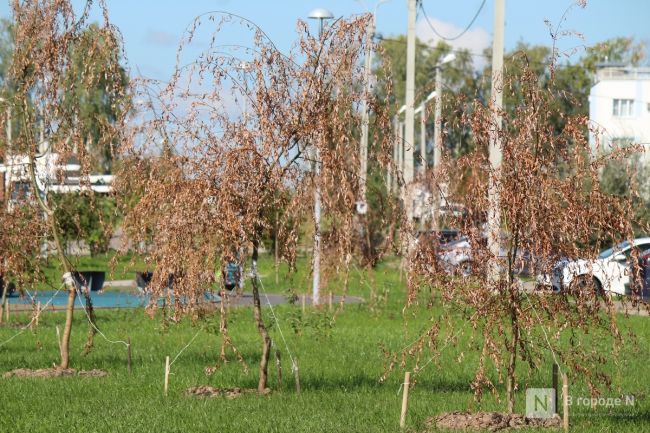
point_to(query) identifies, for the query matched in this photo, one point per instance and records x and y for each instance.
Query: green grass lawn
(340, 366)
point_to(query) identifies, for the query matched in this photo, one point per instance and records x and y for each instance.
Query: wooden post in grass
(128, 354)
(329, 300)
(405, 399)
(278, 364)
(38, 312)
(58, 337)
(33, 324)
(166, 374)
(555, 387)
(296, 375)
(303, 302)
(565, 402)
(7, 312)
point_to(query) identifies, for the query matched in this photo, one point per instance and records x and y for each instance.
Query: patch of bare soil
(210, 391)
(490, 421)
(53, 372)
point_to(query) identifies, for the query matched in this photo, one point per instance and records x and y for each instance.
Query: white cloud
(475, 40)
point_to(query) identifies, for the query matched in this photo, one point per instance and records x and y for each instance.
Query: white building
(619, 108)
(52, 175)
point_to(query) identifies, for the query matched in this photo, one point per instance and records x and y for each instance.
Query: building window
(623, 107)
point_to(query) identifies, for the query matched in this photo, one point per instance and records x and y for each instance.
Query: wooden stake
(329, 300)
(166, 374)
(38, 312)
(32, 323)
(565, 402)
(278, 364)
(58, 337)
(7, 312)
(303, 302)
(128, 354)
(296, 375)
(555, 387)
(405, 399)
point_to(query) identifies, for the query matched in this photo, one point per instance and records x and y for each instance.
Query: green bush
(85, 217)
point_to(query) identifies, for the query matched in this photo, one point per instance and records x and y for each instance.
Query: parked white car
(609, 272)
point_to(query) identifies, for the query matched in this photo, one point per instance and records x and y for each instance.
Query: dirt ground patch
(491, 421)
(210, 391)
(53, 372)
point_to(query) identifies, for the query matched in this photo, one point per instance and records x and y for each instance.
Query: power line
(426, 17)
(465, 51)
(423, 44)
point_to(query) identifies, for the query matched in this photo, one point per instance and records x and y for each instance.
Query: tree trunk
(3, 302)
(275, 247)
(264, 334)
(92, 323)
(223, 326)
(67, 267)
(67, 329)
(514, 324)
(512, 362)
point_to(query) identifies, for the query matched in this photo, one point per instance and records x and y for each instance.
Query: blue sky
(152, 28)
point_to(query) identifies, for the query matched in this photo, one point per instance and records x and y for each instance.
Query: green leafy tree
(630, 179)
(96, 97)
(86, 217)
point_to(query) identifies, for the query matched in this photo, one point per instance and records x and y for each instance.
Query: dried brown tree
(552, 207)
(231, 139)
(47, 79)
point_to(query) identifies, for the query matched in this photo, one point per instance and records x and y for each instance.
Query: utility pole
(437, 137)
(494, 209)
(437, 151)
(409, 134)
(400, 155)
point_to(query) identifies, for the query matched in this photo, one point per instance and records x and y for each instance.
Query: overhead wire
(458, 36)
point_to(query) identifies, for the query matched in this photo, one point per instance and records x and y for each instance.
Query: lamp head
(450, 57)
(321, 14)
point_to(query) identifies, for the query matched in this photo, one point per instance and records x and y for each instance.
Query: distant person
(231, 274)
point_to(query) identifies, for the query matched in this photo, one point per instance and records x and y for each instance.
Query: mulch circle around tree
(54, 372)
(230, 393)
(490, 421)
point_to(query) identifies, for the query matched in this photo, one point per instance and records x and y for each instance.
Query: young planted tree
(48, 78)
(552, 208)
(237, 132)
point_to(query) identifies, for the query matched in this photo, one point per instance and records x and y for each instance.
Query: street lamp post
(437, 150)
(321, 15)
(437, 154)
(423, 132)
(362, 206)
(398, 150)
